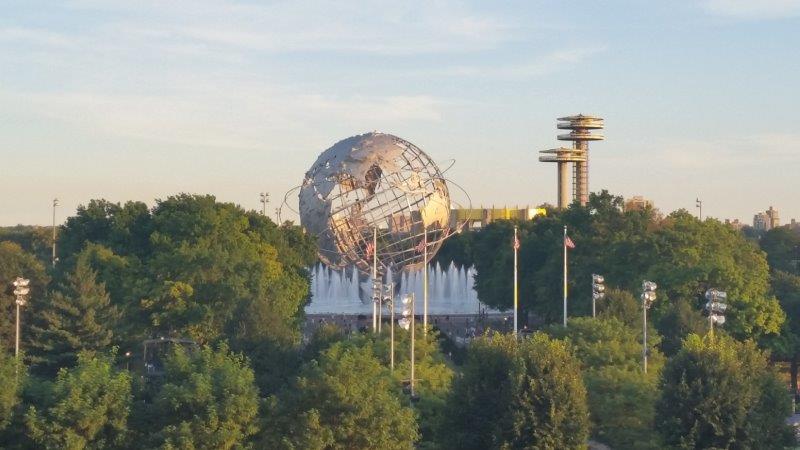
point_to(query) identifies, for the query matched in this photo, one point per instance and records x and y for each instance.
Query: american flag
(370, 248)
(568, 242)
(515, 244)
(421, 246)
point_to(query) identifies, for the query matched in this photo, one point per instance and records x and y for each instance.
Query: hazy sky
(143, 99)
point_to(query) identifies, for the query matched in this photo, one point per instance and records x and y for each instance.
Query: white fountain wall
(450, 291)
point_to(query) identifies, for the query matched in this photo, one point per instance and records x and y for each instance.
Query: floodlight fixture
(598, 291)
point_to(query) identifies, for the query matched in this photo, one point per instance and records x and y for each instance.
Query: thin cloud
(547, 64)
(753, 9)
(243, 120)
(399, 28)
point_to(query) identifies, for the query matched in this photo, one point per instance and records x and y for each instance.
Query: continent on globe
(369, 183)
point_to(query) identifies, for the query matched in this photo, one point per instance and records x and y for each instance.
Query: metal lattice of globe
(375, 181)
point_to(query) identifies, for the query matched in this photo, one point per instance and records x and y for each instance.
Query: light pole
(648, 297)
(21, 291)
(389, 297)
(264, 201)
(55, 203)
(598, 291)
(715, 306)
(699, 204)
(408, 322)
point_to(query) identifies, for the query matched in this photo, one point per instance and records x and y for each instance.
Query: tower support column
(563, 185)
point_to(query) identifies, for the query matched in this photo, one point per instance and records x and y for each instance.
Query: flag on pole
(568, 242)
(370, 248)
(515, 244)
(421, 246)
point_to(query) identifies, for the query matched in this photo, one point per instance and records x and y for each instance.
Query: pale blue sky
(143, 99)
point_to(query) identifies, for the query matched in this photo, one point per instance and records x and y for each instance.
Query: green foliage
(33, 239)
(194, 267)
(678, 320)
(782, 247)
(517, 394)
(12, 375)
(621, 397)
(720, 393)
(344, 399)
(15, 262)
(458, 250)
(207, 400)
(683, 255)
(77, 317)
(85, 408)
(621, 305)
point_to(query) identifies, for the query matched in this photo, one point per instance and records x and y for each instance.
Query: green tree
(720, 393)
(15, 262)
(12, 376)
(517, 394)
(782, 246)
(787, 346)
(36, 240)
(678, 320)
(344, 399)
(207, 400)
(195, 267)
(621, 397)
(85, 408)
(75, 318)
(247, 276)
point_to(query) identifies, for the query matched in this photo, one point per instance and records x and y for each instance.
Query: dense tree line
(232, 285)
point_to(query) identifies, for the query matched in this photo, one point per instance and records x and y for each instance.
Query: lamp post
(715, 307)
(21, 291)
(648, 297)
(699, 204)
(598, 291)
(264, 201)
(389, 298)
(408, 322)
(55, 203)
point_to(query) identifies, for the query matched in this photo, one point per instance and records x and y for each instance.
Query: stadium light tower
(408, 322)
(21, 291)
(598, 291)
(55, 203)
(715, 307)
(648, 297)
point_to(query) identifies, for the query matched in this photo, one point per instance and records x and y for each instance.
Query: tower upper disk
(580, 122)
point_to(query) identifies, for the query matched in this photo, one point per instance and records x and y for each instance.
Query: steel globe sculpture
(375, 183)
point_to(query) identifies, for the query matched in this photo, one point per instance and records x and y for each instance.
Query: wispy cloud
(394, 28)
(245, 119)
(753, 9)
(549, 63)
(37, 36)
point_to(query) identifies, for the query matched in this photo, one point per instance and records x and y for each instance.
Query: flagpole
(425, 284)
(516, 289)
(374, 277)
(565, 275)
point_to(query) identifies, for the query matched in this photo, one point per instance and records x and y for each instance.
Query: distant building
(794, 225)
(774, 218)
(761, 222)
(480, 217)
(765, 221)
(735, 224)
(637, 203)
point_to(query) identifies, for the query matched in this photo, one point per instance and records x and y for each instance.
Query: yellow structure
(480, 217)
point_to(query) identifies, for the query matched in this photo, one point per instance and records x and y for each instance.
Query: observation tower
(581, 127)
